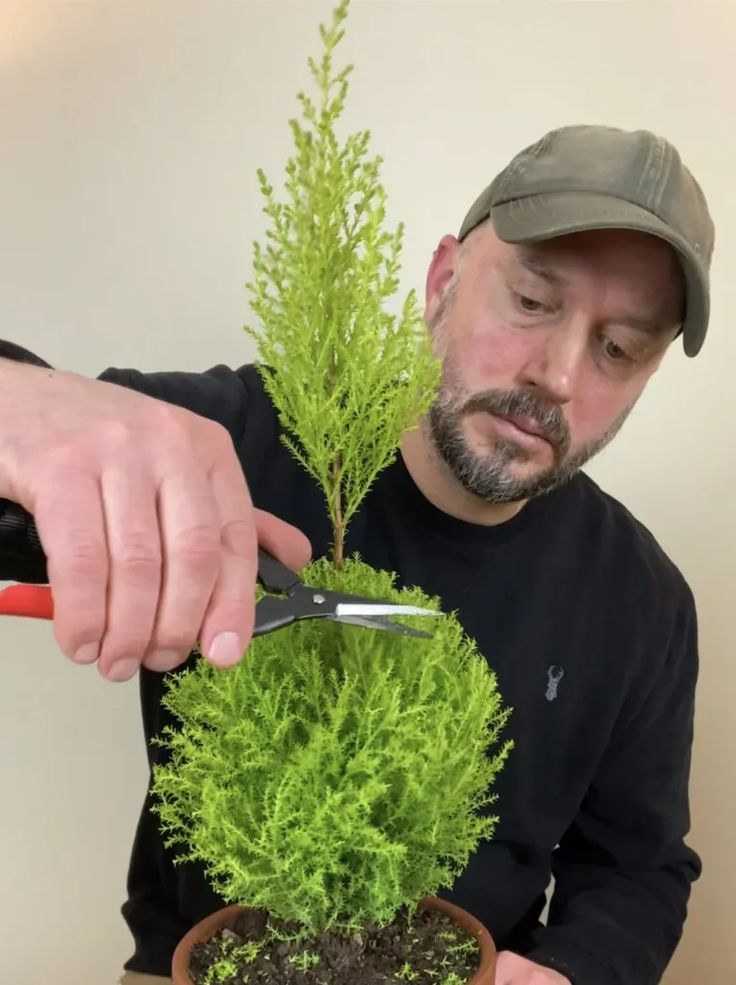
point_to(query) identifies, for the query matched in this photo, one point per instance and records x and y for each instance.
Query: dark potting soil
(426, 949)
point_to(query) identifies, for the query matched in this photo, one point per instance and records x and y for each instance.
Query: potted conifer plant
(334, 780)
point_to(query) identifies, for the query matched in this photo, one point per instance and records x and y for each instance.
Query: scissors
(288, 600)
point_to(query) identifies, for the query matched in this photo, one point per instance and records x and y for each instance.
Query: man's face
(545, 349)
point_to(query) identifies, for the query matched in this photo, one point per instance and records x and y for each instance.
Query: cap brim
(546, 216)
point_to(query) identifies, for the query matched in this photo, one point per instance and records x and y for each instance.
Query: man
(573, 273)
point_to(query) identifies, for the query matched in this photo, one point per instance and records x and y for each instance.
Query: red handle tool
(30, 601)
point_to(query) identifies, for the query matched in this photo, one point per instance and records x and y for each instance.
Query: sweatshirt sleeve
(623, 871)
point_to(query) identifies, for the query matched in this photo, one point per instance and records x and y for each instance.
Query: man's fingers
(228, 623)
(135, 555)
(71, 526)
(512, 969)
(153, 546)
(502, 970)
(146, 522)
(285, 542)
(190, 536)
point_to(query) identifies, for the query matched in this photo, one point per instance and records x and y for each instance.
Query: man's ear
(441, 273)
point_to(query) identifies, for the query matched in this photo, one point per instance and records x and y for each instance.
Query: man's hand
(511, 969)
(145, 518)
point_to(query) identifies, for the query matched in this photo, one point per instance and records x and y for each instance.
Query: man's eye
(614, 351)
(529, 304)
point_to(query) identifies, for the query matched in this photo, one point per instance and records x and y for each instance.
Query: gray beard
(489, 475)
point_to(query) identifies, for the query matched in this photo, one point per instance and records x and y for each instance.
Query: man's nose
(555, 361)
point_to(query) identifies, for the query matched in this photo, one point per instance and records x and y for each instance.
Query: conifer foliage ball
(337, 773)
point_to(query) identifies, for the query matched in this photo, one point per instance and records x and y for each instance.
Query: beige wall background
(129, 138)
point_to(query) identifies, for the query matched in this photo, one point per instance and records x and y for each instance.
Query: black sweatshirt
(592, 632)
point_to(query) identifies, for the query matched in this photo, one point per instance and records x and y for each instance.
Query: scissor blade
(382, 624)
(380, 609)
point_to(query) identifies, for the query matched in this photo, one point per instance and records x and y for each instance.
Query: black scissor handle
(18, 532)
(22, 557)
(272, 613)
(273, 575)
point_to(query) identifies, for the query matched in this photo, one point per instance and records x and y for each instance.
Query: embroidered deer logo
(554, 675)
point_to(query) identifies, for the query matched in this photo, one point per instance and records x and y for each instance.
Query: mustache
(523, 403)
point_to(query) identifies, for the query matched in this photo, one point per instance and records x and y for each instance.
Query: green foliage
(249, 950)
(305, 960)
(406, 973)
(232, 957)
(463, 947)
(222, 969)
(335, 774)
(346, 375)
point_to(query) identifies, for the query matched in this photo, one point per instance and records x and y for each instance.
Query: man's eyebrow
(536, 264)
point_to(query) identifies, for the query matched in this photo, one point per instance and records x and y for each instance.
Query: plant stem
(338, 524)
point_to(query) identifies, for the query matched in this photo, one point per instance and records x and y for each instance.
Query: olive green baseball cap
(578, 178)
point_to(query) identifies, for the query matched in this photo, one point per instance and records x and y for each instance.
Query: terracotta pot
(205, 929)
